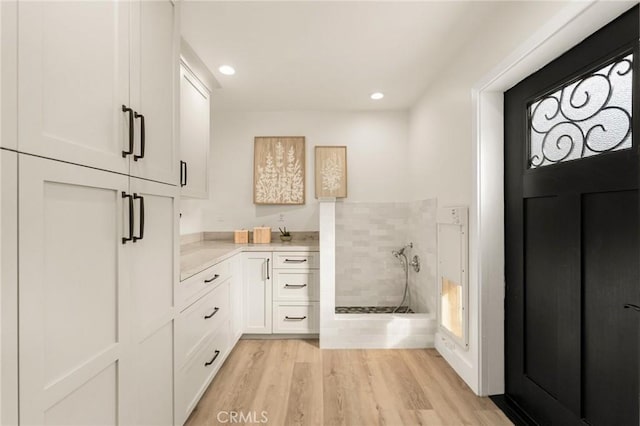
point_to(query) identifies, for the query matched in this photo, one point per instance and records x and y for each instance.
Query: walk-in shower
(377, 271)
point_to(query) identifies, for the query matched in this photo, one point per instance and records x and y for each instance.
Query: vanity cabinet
(194, 135)
(106, 100)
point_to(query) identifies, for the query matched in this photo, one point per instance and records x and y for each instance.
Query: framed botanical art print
(279, 170)
(331, 171)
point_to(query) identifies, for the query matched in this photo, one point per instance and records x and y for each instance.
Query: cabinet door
(194, 135)
(8, 287)
(257, 293)
(154, 86)
(8, 74)
(73, 63)
(74, 311)
(154, 271)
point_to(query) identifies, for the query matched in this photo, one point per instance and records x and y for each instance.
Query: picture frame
(331, 171)
(279, 170)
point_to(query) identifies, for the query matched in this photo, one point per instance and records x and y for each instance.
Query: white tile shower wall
(367, 274)
(422, 230)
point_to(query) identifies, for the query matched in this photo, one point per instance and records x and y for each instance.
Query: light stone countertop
(198, 256)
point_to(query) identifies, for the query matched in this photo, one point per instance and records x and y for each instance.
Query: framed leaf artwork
(279, 170)
(331, 171)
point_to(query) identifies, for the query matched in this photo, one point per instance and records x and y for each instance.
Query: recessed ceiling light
(227, 70)
(377, 95)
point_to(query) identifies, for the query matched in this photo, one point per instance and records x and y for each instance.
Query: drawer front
(200, 319)
(192, 289)
(295, 318)
(296, 260)
(295, 285)
(197, 373)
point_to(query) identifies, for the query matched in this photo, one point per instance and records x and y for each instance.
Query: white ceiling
(328, 55)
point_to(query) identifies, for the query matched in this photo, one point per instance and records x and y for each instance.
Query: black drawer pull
(295, 285)
(215, 311)
(206, 364)
(295, 318)
(632, 306)
(215, 277)
(295, 260)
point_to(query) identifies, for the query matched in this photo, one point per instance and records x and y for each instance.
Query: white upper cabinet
(194, 135)
(73, 74)
(89, 74)
(154, 76)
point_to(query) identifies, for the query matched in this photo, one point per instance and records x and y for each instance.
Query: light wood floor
(296, 383)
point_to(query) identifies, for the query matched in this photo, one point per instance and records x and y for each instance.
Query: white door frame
(574, 23)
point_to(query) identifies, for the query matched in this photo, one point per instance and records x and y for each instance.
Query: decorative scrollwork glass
(585, 118)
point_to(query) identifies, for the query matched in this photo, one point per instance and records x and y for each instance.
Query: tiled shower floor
(372, 310)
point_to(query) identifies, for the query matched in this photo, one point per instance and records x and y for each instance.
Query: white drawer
(194, 377)
(200, 319)
(191, 289)
(295, 318)
(296, 260)
(295, 284)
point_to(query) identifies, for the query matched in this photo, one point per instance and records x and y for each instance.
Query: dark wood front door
(572, 233)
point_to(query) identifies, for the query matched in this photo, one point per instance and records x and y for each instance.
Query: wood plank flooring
(293, 382)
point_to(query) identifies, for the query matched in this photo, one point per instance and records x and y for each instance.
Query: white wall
(441, 141)
(377, 155)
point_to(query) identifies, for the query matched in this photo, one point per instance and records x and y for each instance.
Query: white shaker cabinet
(8, 288)
(153, 270)
(76, 360)
(154, 90)
(257, 292)
(73, 68)
(96, 84)
(194, 135)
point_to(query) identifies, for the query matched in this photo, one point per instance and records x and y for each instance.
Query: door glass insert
(585, 118)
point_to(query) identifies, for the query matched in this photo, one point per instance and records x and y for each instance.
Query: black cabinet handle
(141, 236)
(268, 277)
(295, 260)
(142, 136)
(131, 112)
(295, 285)
(215, 311)
(295, 318)
(183, 173)
(125, 239)
(632, 306)
(215, 277)
(217, 352)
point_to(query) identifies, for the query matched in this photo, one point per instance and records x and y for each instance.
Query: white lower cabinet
(95, 309)
(281, 292)
(295, 317)
(204, 331)
(198, 371)
(257, 292)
